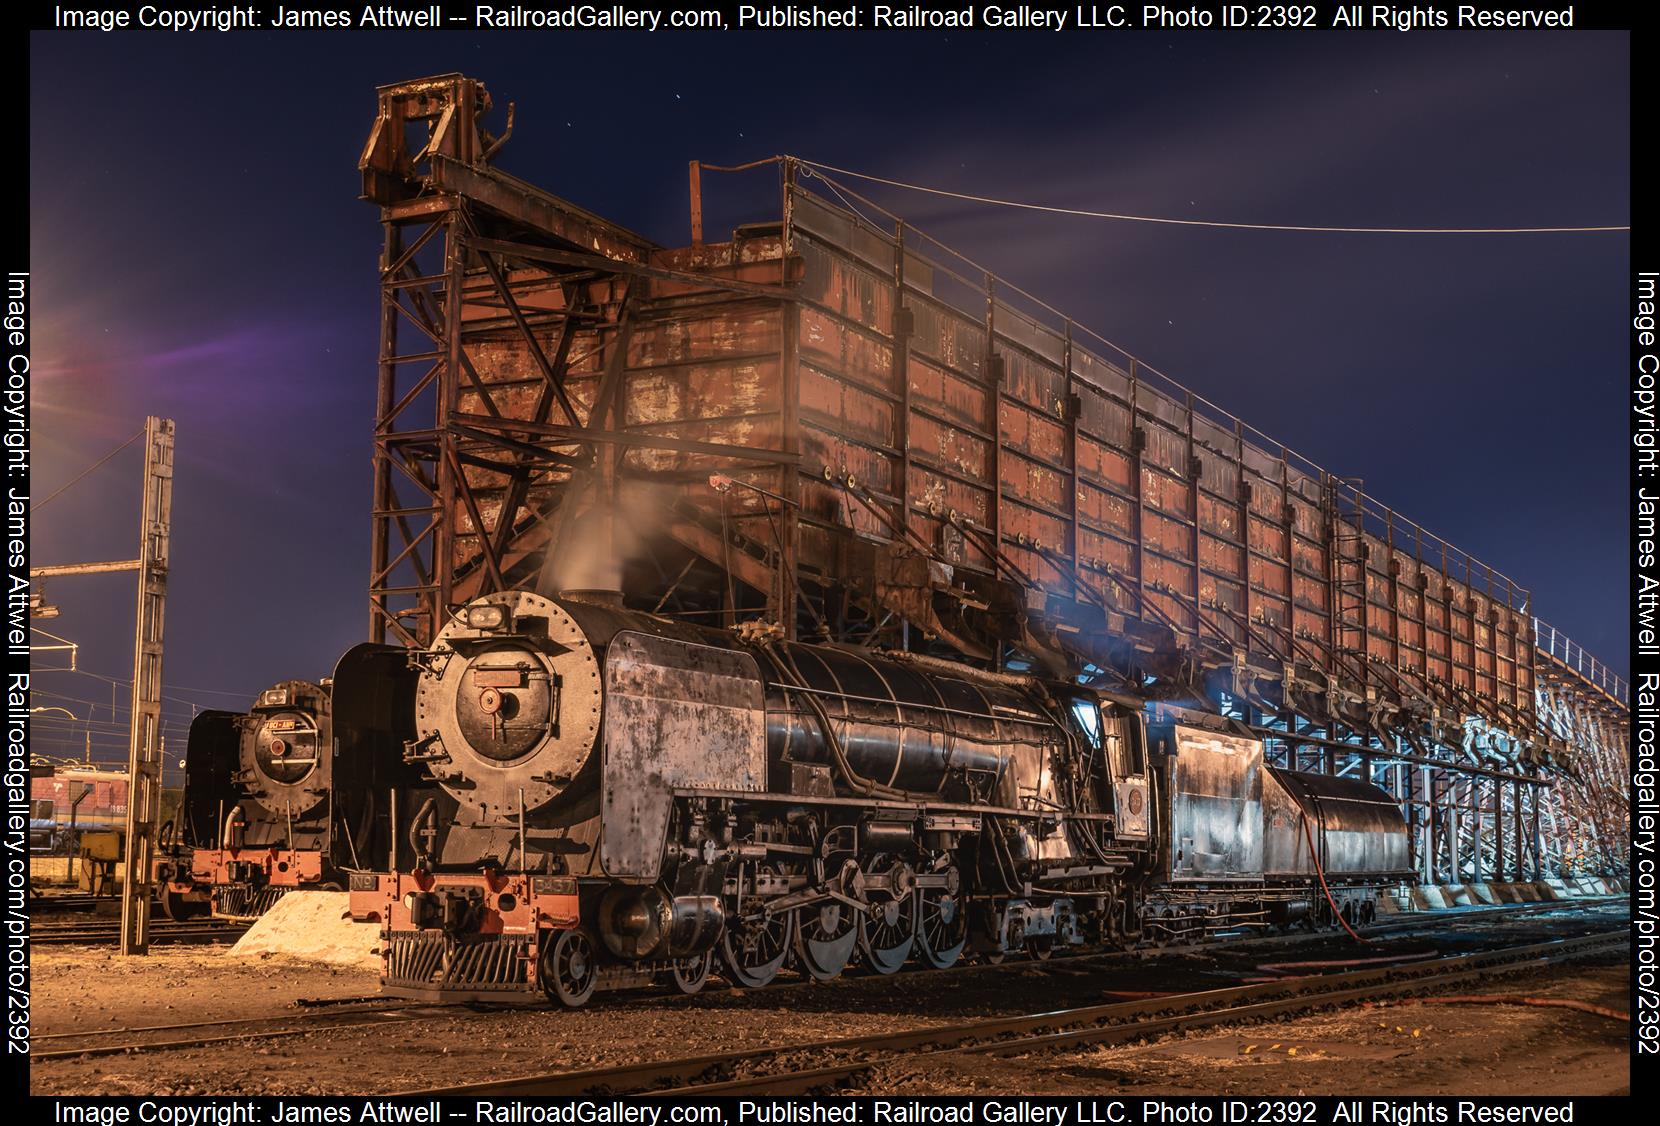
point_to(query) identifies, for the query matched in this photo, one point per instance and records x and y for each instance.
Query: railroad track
(375, 1012)
(55, 904)
(369, 1012)
(162, 931)
(786, 1069)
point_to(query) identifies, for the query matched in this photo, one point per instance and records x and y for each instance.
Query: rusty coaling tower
(831, 426)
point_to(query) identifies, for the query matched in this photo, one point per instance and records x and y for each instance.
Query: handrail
(1548, 639)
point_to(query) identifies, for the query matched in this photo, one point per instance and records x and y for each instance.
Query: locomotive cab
(1123, 742)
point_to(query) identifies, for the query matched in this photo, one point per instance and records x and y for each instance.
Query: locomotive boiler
(634, 797)
(291, 794)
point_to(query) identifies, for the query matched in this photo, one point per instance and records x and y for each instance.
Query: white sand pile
(313, 926)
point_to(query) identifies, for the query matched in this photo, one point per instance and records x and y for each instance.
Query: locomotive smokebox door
(677, 715)
(509, 704)
(285, 749)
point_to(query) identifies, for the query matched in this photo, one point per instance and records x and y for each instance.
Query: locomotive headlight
(490, 617)
(274, 698)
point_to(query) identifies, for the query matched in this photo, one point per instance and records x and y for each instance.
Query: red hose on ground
(1509, 999)
(1308, 835)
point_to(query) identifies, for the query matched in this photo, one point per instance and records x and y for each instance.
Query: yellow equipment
(100, 851)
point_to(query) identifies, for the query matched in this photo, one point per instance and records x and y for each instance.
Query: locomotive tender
(288, 795)
(624, 797)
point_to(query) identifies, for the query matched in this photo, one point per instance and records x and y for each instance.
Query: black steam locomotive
(292, 793)
(624, 797)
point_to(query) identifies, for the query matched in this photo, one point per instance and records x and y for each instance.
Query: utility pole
(144, 750)
(144, 746)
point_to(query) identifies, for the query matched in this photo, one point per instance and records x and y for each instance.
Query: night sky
(199, 252)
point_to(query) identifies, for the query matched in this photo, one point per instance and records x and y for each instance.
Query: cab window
(1088, 717)
(1122, 732)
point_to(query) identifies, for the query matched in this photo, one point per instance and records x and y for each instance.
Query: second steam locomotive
(622, 797)
(292, 794)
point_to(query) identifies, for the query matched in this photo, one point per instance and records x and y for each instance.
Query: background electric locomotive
(634, 796)
(291, 794)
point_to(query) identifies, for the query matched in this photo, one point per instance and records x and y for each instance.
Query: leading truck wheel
(690, 974)
(569, 969)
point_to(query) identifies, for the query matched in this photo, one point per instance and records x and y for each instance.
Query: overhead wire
(83, 474)
(1304, 228)
(125, 682)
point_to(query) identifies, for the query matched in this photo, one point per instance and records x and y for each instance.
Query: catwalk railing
(1550, 640)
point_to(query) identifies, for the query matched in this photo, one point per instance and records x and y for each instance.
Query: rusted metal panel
(940, 445)
(853, 291)
(1221, 557)
(949, 338)
(1166, 493)
(1219, 518)
(701, 391)
(847, 456)
(1275, 613)
(1102, 465)
(1104, 551)
(677, 715)
(1036, 482)
(1107, 511)
(1269, 540)
(695, 334)
(1036, 385)
(947, 490)
(846, 408)
(951, 397)
(854, 355)
(1270, 577)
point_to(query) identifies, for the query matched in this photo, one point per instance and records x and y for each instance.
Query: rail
(786, 1069)
(1551, 641)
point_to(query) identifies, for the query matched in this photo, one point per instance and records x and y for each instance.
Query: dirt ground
(1386, 1049)
(1421, 1048)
